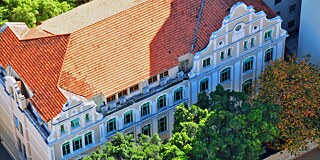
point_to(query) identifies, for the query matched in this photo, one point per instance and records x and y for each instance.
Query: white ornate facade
(234, 57)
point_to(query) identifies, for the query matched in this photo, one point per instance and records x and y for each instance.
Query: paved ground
(4, 155)
(312, 155)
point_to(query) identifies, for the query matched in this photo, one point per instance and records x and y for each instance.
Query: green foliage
(220, 129)
(32, 12)
(223, 129)
(294, 85)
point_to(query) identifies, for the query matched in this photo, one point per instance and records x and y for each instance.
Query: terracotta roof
(86, 15)
(137, 43)
(38, 63)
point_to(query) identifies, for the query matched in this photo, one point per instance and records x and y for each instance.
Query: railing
(141, 96)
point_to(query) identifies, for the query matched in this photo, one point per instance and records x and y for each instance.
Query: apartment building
(308, 36)
(289, 10)
(68, 85)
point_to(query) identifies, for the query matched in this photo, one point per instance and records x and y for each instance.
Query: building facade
(308, 39)
(289, 11)
(230, 49)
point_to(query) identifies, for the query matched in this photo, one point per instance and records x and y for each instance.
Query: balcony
(139, 97)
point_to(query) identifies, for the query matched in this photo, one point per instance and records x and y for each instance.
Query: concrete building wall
(238, 29)
(309, 38)
(282, 8)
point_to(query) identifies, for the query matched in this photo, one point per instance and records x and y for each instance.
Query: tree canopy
(227, 126)
(294, 85)
(33, 12)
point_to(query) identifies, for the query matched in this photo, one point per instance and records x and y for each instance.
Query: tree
(32, 12)
(294, 85)
(125, 147)
(226, 126)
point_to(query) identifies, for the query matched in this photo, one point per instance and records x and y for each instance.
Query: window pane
(246, 86)
(204, 85)
(111, 125)
(65, 148)
(88, 138)
(178, 94)
(225, 75)
(146, 130)
(75, 123)
(77, 143)
(162, 101)
(247, 64)
(145, 109)
(268, 55)
(128, 117)
(162, 124)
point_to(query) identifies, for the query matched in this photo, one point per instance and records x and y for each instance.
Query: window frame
(246, 86)
(162, 98)
(153, 79)
(164, 128)
(125, 122)
(245, 45)
(290, 24)
(64, 147)
(180, 91)
(88, 138)
(87, 117)
(164, 74)
(147, 111)
(73, 125)
(268, 35)
(252, 42)
(227, 77)
(134, 88)
(292, 7)
(206, 62)
(148, 128)
(114, 126)
(229, 52)
(204, 83)
(79, 139)
(64, 129)
(222, 55)
(247, 64)
(270, 54)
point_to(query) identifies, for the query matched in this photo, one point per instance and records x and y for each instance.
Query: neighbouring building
(123, 66)
(289, 11)
(309, 39)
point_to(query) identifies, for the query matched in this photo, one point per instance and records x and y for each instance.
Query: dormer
(76, 114)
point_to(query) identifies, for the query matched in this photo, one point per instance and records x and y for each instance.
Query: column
(259, 63)
(237, 69)
(170, 121)
(214, 80)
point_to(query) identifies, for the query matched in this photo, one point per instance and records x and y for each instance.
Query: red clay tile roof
(142, 41)
(38, 62)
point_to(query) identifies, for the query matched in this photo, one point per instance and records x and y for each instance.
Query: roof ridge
(197, 25)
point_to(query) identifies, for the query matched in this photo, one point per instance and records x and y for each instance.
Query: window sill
(266, 40)
(128, 124)
(162, 108)
(248, 71)
(226, 81)
(111, 132)
(144, 117)
(163, 132)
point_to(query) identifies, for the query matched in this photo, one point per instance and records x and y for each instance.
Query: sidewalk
(312, 155)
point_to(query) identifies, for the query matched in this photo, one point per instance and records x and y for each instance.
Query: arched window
(128, 117)
(162, 101)
(204, 84)
(268, 55)
(247, 64)
(77, 143)
(65, 148)
(88, 138)
(225, 74)
(246, 86)
(178, 94)
(111, 125)
(145, 109)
